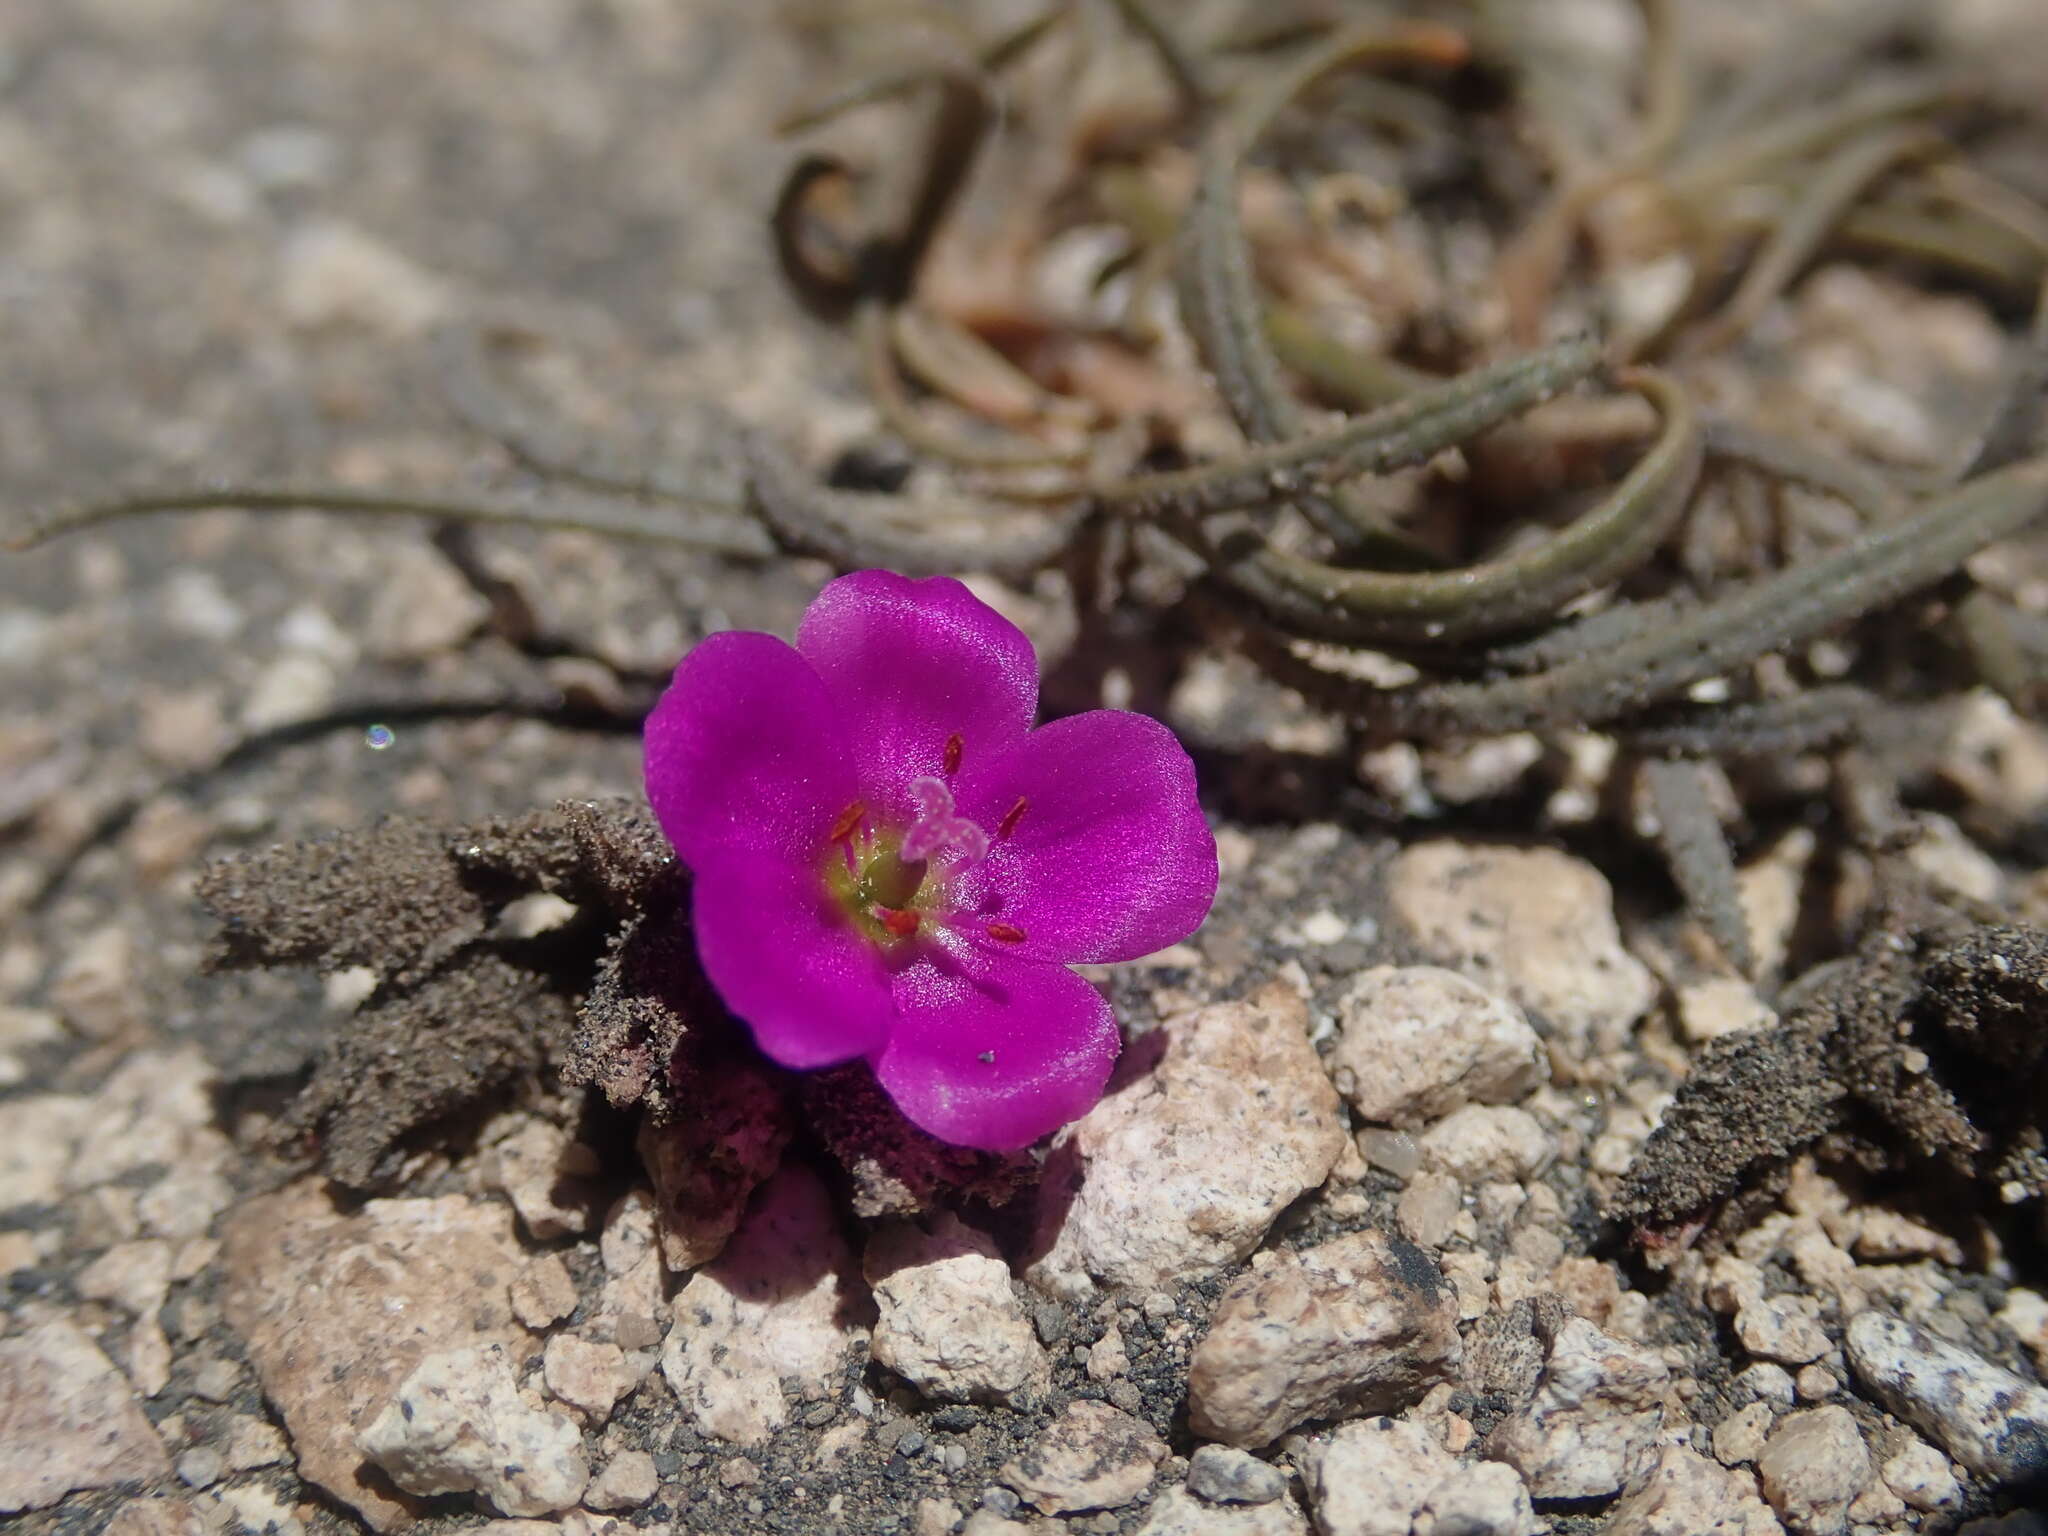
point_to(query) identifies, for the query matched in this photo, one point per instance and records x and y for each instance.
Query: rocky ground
(1331, 1251)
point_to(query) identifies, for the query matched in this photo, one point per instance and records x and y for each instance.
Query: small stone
(587, 1376)
(291, 688)
(1092, 1457)
(986, 1522)
(1719, 1007)
(1921, 1476)
(1990, 1420)
(1815, 1383)
(1533, 923)
(1778, 1328)
(782, 1301)
(37, 1135)
(1740, 1437)
(1183, 1171)
(1107, 1357)
(1597, 1410)
(1222, 1474)
(336, 276)
(738, 1472)
(545, 1174)
(216, 1380)
(629, 1232)
(156, 1517)
(184, 1203)
(936, 1517)
(1428, 1207)
(948, 1322)
(1372, 1477)
(1177, 1512)
(1684, 1494)
(628, 1480)
(1813, 1466)
(1416, 1042)
(336, 1311)
(95, 989)
(201, 1467)
(1361, 1324)
(133, 1276)
(457, 1424)
(423, 605)
(1485, 1499)
(1767, 1382)
(1888, 1237)
(67, 1421)
(1482, 1142)
(542, 1293)
(252, 1443)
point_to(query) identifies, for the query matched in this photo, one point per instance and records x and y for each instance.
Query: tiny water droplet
(987, 1058)
(378, 737)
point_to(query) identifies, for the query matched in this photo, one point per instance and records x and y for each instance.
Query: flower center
(885, 878)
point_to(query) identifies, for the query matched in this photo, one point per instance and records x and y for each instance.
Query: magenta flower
(890, 863)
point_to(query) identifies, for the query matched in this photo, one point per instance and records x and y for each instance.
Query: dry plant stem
(956, 363)
(1800, 722)
(1873, 496)
(1219, 294)
(1576, 638)
(1753, 620)
(719, 527)
(1698, 179)
(1361, 381)
(1499, 596)
(1689, 835)
(1187, 70)
(878, 365)
(1532, 263)
(2014, 422)
(1395, 437)
(1951, 240)
(858, 529)
(891, 249)
(1984, 628)
(1808, 64)
(542, 444)
(1822, 201)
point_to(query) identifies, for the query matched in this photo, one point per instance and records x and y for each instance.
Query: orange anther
(1010, 819)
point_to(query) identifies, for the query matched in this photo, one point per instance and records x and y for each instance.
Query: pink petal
(912, 663)
(1110, 858)
(788, 962)
(1049, 1038)
(746, 751)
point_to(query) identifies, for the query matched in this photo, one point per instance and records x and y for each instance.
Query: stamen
(1007, 933)
(1010, 819)
(848, 822)
(954, 747)
(900, 921)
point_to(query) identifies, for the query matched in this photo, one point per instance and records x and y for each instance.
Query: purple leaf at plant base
(889, 862)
